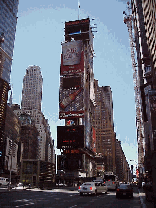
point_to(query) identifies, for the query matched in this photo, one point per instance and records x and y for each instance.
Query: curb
(12, 190)
(37, 189)
(141, 199)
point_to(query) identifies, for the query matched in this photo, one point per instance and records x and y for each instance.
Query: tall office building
(32, 89)
(122, 167)
(8, 21)
(76, 96)
(103, 124)
(31, 104)
(149, 11)
(144, 13)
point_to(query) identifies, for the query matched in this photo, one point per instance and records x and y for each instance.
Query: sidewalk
(2, 190)
(144, 202)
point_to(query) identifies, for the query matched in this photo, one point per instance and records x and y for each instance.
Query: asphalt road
(67, 199)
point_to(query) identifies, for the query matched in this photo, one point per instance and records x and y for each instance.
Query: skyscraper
(8, 21)
(103, 123)
(31, 104)
(32, 89)
(76, 97)
(141, 23)
(149, 11)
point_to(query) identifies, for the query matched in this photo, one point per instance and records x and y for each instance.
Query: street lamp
(9, 187)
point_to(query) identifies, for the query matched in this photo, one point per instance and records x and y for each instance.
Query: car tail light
(79, 187)
(113, 182)
(91, 188)
(117, 189)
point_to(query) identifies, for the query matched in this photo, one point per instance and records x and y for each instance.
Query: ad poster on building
(72, 58)
(70, 137)
(93, 139)
(71, 52)
(71, 97)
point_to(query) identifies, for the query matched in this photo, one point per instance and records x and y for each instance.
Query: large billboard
(71, 52)
(70, 137)
(77, 22)
(71, 82)
(72, 58)
(71, 97)
(71, 114)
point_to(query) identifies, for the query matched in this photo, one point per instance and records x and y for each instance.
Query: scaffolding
(128, 20)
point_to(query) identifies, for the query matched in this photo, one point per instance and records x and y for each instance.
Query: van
(4, 181)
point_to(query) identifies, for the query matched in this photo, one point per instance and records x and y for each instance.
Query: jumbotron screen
(70, 137)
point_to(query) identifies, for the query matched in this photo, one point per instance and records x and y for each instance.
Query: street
(65, 198)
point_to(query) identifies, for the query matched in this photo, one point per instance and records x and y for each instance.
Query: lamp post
(11, 143)
(9, 187)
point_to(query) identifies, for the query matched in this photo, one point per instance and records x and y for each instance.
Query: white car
(20, 184)
(92, 188)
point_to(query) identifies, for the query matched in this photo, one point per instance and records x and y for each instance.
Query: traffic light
(0, 153)
(137, 173)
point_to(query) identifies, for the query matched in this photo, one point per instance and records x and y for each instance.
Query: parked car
(92, 188)
(124, 190)
(19, 184)
(4, 181)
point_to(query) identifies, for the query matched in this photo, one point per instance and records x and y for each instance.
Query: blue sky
(40, 31)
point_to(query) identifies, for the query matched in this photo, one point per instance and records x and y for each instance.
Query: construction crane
(128, 20)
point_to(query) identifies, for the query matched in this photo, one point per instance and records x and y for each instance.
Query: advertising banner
(71, 97)
(77, 22)
(93, 140)
(75, 68)
(71, 52)
(72, 58)
(71, 114)
(70, 137)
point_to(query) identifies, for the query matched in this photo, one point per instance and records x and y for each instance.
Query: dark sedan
(124, 190)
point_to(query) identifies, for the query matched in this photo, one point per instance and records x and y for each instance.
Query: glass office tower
(8, 21)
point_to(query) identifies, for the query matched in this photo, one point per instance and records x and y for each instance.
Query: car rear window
(87, 184)
(124, 186)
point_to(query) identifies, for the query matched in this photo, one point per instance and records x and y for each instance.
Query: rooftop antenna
(78, 8)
